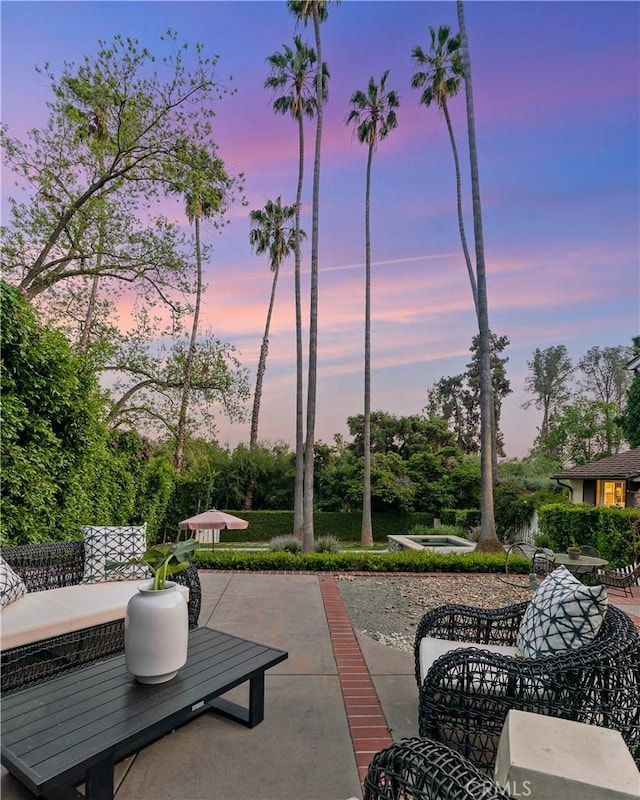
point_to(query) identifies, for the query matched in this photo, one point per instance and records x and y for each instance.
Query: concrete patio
(337, 700)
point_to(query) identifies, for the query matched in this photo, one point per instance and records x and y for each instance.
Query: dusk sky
(557, 105)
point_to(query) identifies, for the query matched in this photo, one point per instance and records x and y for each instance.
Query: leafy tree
(605, 376)
(374, 117)
(402, 435)
(271, 232)
(316, 11)
(548, 379)
(456, 399)
(630, 419)
(488, 540)
(583, 432)
(150, 387)
(117, 130)
(605, 373)
(293, 72)
(440, 80)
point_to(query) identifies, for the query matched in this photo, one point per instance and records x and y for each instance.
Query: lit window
(611, 493)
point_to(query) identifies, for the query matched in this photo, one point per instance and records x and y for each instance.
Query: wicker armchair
(467, 692)
(421, 769)
(53, 565)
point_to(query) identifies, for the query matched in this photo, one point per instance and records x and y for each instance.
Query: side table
(541, 757)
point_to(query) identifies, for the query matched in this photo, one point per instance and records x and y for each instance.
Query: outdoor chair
(621, 579)
(542, 562)
(421, 769)
(51, 566)
(588, 550)
(467, 691)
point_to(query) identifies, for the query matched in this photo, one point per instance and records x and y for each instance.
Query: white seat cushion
(40, 615)
(432, 648)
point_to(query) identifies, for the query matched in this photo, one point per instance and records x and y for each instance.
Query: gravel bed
(388, 608)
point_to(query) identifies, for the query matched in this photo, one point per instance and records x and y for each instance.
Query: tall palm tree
(271, 232)
(293, 72)
(316, 11)
(204, 194)
(440, 79)
(488, 540)
(374, 117)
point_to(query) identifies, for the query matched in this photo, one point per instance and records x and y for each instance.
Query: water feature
(439, 544)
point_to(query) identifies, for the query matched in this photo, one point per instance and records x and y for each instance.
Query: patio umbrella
(208, 524)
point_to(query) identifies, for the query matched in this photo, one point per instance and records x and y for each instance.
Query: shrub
(461, 517)
(287, 544)
(327, 544)
(513, 508)
(363, 561)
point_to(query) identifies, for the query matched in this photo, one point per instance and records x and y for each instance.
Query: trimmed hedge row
(608, 529)
(404, 561)
(346, 526)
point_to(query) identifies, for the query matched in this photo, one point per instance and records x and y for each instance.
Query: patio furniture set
(567, 655)
(474, 669)
(78, 676)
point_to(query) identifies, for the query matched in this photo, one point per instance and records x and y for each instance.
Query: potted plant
(156, 624)
(573, 551)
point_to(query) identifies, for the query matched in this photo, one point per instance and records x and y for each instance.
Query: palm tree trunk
(488, 540)
(181, 434)
(257, 395)
(298, 493)
(463, 237)
(308, 505)
(366, 538)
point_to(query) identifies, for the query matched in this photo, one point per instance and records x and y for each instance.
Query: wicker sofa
(54, 565)
(467, 692)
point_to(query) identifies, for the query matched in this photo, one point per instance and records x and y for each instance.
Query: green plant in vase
(163, 560)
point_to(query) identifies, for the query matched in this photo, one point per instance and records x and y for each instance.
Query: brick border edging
(367, 723)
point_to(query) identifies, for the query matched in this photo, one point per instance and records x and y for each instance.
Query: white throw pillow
(563, 614)
(11, 584)
(104, 544)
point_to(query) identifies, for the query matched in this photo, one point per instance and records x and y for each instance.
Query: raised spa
(440, 544)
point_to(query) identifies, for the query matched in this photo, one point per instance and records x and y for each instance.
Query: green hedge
(461, 517)
(608, 529)
(405, 561)
(346, 526)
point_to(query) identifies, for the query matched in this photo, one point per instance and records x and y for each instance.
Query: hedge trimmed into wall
(404, 561)
(608, 529)
(346, 526)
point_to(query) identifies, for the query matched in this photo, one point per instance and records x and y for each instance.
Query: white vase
(156, 633)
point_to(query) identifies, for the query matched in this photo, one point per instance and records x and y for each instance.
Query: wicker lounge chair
(420, 769)
(466, 693)
(51, 566)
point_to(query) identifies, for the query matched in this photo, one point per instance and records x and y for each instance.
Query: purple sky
(557, 105)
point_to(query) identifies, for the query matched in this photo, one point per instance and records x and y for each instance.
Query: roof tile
(622, 466)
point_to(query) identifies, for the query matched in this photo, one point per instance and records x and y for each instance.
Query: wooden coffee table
(74, 728)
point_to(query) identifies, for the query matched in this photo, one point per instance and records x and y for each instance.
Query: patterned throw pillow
(563, 614)
(103, 545)
(11, 585)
